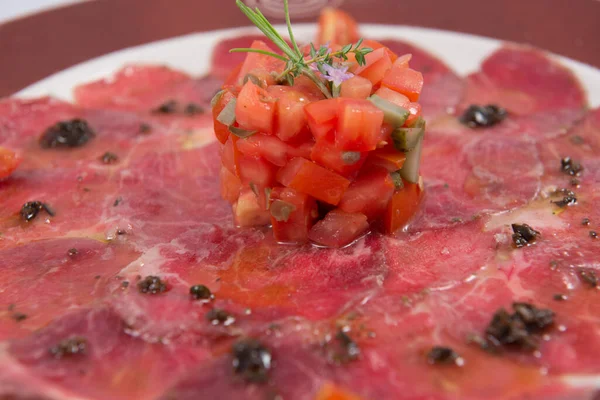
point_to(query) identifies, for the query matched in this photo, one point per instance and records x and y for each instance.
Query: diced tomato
(291, 118)
(304, 85)
(356, 87)
(393, 97)
(314, 180)
(268, 147)
(378, 63)
(336, 27)
(404, 80)
(230, 185)
(256, 62)
(232, 79)
(387, 157)
(221, 130)
(338, 228)
(300, 220)
(302, 150)
(329, 391)
(8, 162)
(403, 61)
(256, 171)
(415, 113)
(369, 194)
(255, 109)
(322, 117)
(326, 154)
(404, 204)
(247, 212)
(359, 125)
(373, 44)
(230, 155)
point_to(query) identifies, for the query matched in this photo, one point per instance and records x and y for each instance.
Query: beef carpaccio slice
(83, 318)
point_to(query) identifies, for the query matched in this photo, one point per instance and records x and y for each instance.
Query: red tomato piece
(314, 180)
(373, 44)
(256, 171)
(393, 97)
(300, 220)
(230, 185)
(326, 154)
(403, 206)
(403, 61)
(255, 109)
(302, 150)
(369, 194)
(221, 130)
(291, 118)
(388, 157)
(268, 147)
(322, 117)
(247, 212)
(230, 155)
(256, 63)
(8, 162)
(359, 125)
(232, 79)
(404, 80)
(336, 27)
(304, 85)
(338, 228)
(415, 113)
(378, 63)
(356, 87)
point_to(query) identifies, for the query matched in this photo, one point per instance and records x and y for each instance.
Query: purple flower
(337, 75)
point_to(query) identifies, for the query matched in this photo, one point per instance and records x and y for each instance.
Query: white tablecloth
(10, 9)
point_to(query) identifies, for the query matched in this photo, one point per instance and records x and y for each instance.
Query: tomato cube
(369, 194)
(322, 117)
(256, 63)
(405, 81)
(268, 147)
(255, 109)
(8, 162)
(415, 113)
(387, 157)
(356, 87)
(345, 163)
(304, 85)
(248, 213)
(292, 215)
(336, 27)
(403, 61)
(290, 116)
(230, 185)
(302, 150)
(378, 63)
(221, 130)
(339, 229)
(402, 207)
(256, 171)
(359, 125)
(393, 97)
(230, 155)
(314, 180)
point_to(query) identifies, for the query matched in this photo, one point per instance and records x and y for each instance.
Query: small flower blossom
(337, 75)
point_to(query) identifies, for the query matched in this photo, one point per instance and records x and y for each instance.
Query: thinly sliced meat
(443, 88)
(223, 62)
(112, 365)
(146, 89)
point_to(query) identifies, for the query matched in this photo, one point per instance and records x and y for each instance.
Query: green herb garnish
(322, 60)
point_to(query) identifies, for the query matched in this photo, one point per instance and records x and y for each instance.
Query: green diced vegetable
(410, 170)
(392, 114)
(281, 210)
(406, 139)
(227, 116)
(241, 133)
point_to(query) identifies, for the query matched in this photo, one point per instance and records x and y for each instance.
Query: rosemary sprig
(327, 63)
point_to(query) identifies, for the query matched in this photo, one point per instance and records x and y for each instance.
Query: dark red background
(39, 45)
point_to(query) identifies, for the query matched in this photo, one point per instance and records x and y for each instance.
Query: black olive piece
(594, 234)
(152, 285)
(19, 316)
(251, 360)
(585, 221)
(220, 317)
(145, 128)
(193, 109)
(343, 349)
(568, 166)
(31, 209)
(201, 292)
(72, 252)
(483, 116)
(125, 284)
(442, 355)
(589, 277)
(109, 158)
(523, 235)
(560, 297)
(72, 133)
(168, 107)
(575, 182)
(535, 319)
(76, 345)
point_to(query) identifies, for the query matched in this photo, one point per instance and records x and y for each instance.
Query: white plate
(191, 53)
